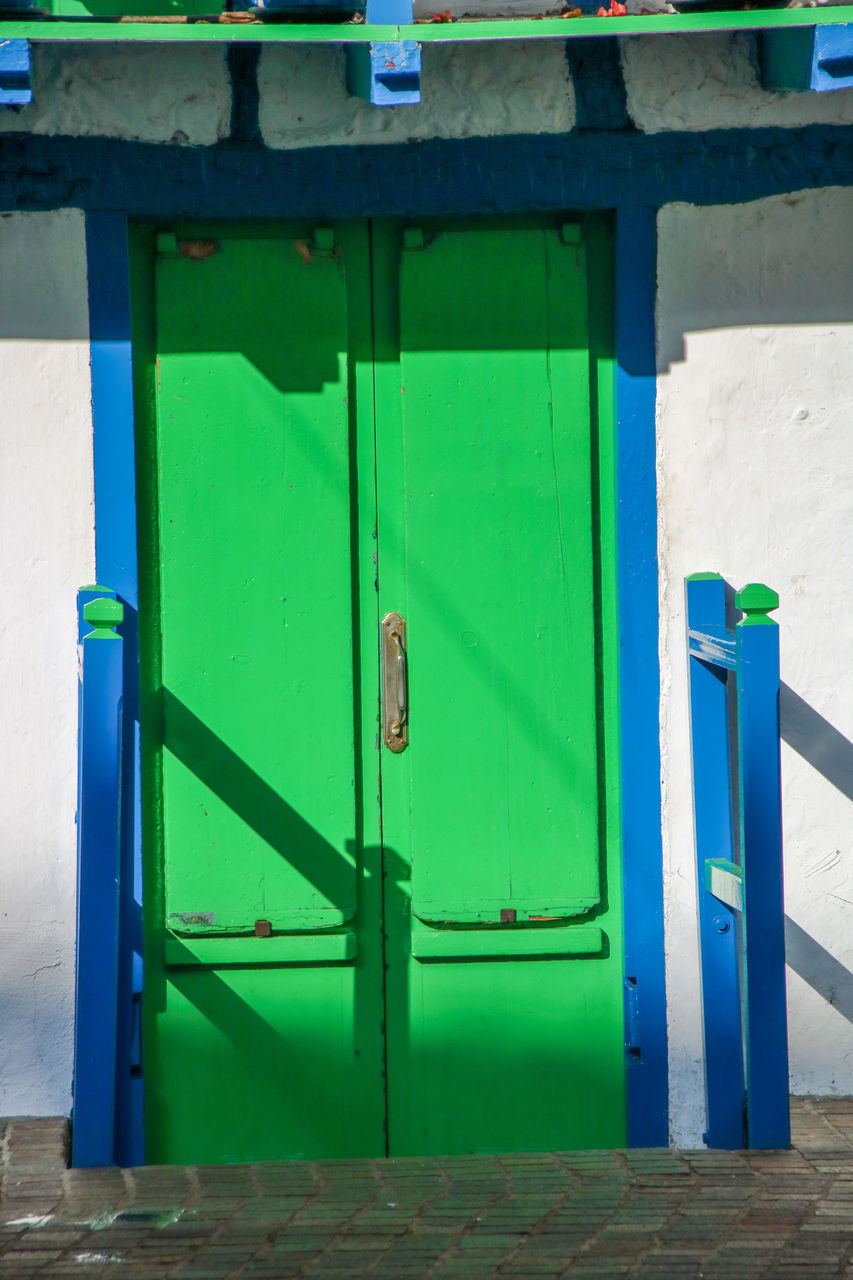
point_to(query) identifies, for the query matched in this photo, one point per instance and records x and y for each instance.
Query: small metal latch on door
(395, 683)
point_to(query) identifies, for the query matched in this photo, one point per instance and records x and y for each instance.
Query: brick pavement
(588, 1214)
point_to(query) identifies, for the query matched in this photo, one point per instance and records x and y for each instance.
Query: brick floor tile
(643, 1214)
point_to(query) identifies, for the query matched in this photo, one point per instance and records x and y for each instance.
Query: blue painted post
(639, 678)
(764, 998)
(98, 852)
(712, 807)
(108, 261)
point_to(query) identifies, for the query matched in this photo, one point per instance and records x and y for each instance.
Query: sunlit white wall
(46, 553)
(755, 473)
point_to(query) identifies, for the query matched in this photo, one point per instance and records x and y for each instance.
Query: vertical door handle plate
(395, 683)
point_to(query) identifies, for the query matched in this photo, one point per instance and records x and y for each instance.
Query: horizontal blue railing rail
(98, 875)
(739, 864)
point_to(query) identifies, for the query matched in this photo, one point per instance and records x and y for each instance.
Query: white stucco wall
(755, 467)
(467, 91)
(689, 82)
(114, 91)
(711, 81)
(122, 92)
(47, 552)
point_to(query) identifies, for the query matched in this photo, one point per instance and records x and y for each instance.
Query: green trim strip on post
(724, 881)
(424, 33)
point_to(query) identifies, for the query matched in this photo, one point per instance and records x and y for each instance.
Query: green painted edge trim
(704, 577)
(426, 33)
(213, 953)
(488, 944)
(732, 876)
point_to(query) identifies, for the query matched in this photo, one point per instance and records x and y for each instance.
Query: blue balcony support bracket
(801, 59)
(16, 86)
(98, 861)
(386, 73)
(712, 801)
(764, 992)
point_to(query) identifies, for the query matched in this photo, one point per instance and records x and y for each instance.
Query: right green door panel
(491, 815)
(494, 525)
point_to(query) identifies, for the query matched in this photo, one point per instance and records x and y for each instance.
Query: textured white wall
(145, 93)
(755, 469)
(693, 82)
(476, 90)
(47, 551)
(710, 81)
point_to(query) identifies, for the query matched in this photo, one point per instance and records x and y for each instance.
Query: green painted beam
(426, 33)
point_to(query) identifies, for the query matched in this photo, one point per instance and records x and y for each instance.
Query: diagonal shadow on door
(258, 804)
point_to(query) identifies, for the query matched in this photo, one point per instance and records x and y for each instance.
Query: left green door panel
(254, 1053)
(258, 798)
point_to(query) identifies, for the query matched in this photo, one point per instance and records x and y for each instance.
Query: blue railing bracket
(740, 883)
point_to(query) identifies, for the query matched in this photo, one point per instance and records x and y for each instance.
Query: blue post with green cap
(98, 838)
(759, 767)
(744, 1013)
(714, 830)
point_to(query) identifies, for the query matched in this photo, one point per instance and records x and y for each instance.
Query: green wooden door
(339, 434)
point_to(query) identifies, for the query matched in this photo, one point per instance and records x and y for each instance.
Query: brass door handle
(395, 683)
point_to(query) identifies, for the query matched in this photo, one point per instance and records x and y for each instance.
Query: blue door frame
(638, 679)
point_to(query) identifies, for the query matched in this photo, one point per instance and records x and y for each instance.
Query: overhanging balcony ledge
(196, 29)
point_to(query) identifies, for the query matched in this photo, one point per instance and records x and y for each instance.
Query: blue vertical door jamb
(98, 839)
(639, 677)
(764, 994)
(718, 931)
(107, 253)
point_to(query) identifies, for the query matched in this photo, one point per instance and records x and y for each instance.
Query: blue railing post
(765, 1015)
(743, 969)
(98, 845)
(712, 805)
